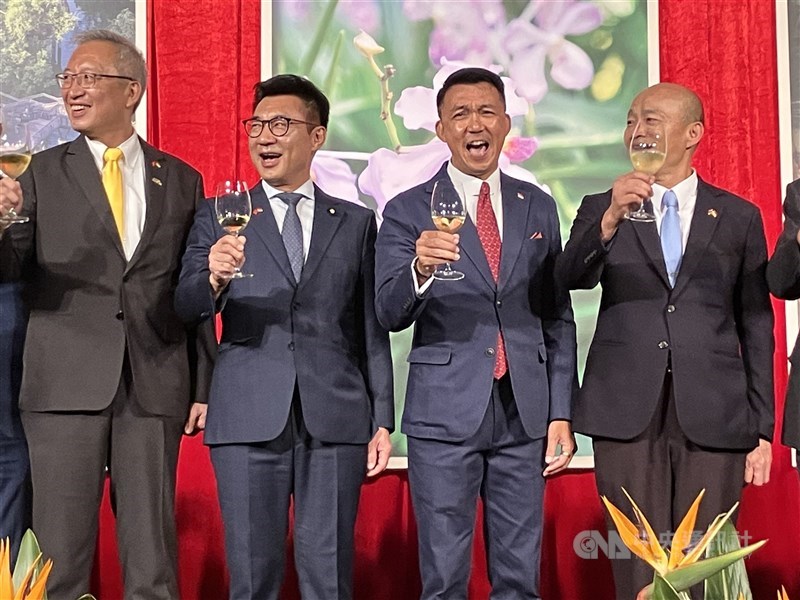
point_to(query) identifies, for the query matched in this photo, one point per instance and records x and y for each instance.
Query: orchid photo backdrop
(571, 68)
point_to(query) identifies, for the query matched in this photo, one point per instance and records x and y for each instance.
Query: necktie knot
(484, 192)
(670, 200)
(112, 155)
(291, 198)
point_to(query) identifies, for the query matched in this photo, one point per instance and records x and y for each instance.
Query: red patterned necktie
(489, 234)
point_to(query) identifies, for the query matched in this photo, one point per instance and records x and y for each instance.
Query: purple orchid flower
(335, 177)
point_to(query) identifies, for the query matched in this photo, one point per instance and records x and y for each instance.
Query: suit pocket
(429, 355)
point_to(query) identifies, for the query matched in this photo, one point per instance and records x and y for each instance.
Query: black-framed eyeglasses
(279, 126)
(85, 80)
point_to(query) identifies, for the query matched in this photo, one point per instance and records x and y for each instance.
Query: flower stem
(386, 105)
(330, 78)
(319, 36)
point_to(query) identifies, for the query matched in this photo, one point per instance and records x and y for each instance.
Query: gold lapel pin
(156, 180)
(712, 213)
(332, 211)
(156, 164)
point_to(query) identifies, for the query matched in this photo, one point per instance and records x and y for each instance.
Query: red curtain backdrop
(204, 59)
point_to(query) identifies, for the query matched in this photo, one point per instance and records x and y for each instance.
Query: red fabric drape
(203, 57)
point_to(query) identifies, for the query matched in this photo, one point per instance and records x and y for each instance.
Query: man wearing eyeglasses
(301, 399)
(110, 370)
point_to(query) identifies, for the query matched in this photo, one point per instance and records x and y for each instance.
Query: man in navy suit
(301, 402)
(677, 393)
(15, 495)
(492, 364)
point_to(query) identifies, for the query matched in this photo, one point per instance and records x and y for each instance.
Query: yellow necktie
(112, 182)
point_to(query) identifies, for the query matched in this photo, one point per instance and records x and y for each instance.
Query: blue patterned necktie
(671, 239)
(292, 233)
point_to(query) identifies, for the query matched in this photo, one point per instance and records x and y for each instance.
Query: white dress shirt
(305, 210)
(686, 192)
(134, 204)
(468, 189)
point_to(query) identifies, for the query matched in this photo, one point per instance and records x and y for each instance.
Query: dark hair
(317, 104)
(470, 76)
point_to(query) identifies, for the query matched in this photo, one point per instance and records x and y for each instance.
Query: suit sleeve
(754, 323)
(378, 353)
(396, 302)
(17, 242)
(558, 327)
(783, 270)
(580, 266)
(194, 299)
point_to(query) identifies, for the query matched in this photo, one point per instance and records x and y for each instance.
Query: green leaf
(28, 555)
(683, 578)
(731, 583)
(662, 590)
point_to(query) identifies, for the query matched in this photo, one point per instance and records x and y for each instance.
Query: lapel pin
(332, 211)
(537, 235)
(520, 195)
(257, 211)
(712, 213)
(156, 180)
(155, 164)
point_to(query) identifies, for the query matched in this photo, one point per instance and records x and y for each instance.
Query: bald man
(677, 392)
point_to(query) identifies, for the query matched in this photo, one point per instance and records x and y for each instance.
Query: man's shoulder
(346, 206)
(726, 198)
(157, 158)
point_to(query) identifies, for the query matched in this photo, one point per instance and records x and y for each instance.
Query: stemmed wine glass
(648, 151)
(448, 214)
(15, 156)
(233, 207)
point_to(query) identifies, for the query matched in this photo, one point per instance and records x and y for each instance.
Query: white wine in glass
(15, 156)
(448, 214)
(648, 151)
(233, 207)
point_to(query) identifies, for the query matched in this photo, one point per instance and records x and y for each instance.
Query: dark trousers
(15, 493)
(503, 466)
(255, 483)
(69, 453)
(663, 472)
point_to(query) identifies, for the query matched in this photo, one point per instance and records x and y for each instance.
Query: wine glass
(233, 207)
(448, 214)
(648, 151)
(15, 156)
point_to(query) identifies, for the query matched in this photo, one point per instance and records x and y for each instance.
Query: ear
(439, 131)
(318, 136)
(508, 125)
(694, 134)
(134, 93)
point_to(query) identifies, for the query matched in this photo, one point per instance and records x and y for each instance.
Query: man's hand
(378, 451)
(196, 421)
(223, 259)
(559, 433)
(627, 195)
(435, 248)
(758, 463)
(10, 198)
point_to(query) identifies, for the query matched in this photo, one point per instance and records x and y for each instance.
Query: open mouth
(269, 159)
(478, 148)
(77, 110)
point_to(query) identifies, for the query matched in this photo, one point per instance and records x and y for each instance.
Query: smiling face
(474, 125)
(285, 162)
(103, 112)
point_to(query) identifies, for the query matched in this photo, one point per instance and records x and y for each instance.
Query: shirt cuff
(419, 290)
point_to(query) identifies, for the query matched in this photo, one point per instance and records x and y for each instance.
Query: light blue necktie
(292, 233)
(671, 239)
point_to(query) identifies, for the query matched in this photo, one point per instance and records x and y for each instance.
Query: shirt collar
(131, 151)
(470, 185)
(307, 189)
(684, 191)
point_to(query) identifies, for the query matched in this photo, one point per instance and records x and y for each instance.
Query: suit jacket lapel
(155, 181)
(263, 224)
(516, 206)
(81, 163)
(327, 219)
(651, 243)
(704, 223)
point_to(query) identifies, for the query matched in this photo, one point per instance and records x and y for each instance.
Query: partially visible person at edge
(110, 370)
(301, 402)
(677, 392)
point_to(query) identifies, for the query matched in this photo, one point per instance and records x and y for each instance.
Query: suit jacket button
(671, 308)
(291, 346)
(120, 315)
(489, 352)
(663, 344)
(498, 302)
